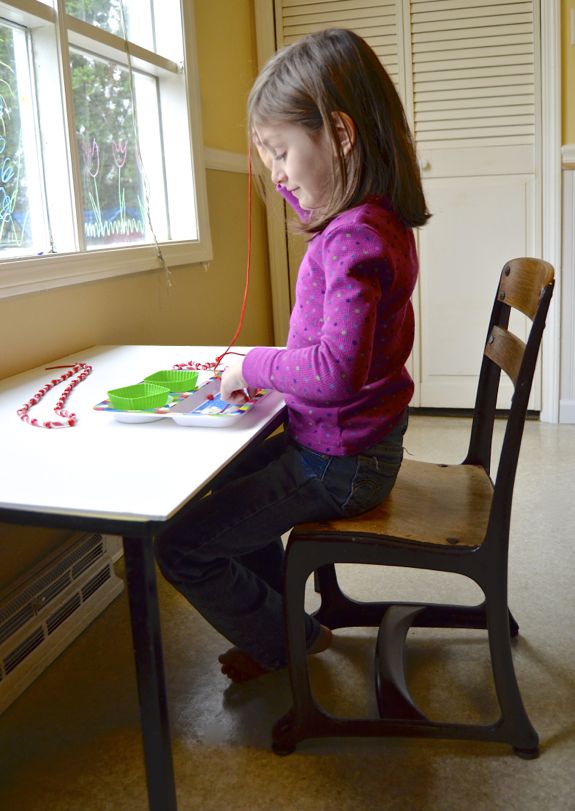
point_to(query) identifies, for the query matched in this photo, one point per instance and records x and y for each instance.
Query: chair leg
(306, 719)
(304, 716)
(514, 719)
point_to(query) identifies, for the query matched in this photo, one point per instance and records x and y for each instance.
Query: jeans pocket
(376, 472)
(315, 463)
(373, 481)
(358, 483)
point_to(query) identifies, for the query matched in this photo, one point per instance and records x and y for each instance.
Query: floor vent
(42, 614)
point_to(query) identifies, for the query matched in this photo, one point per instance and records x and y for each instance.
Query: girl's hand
(233, 387)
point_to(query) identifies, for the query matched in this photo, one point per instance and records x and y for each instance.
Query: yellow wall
(203, 306)
(228, 65)
(567, 73)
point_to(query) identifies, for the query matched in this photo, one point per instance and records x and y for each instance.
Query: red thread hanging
(82, 370)
(214, 364)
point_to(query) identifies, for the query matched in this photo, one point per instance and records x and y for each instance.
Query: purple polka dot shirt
(343, 372)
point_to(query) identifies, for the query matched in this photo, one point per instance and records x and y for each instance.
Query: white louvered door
(475, 113)
(379, 22)
(468, 75)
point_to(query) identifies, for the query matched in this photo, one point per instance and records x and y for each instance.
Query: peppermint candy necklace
(193, 365)
(82, 370)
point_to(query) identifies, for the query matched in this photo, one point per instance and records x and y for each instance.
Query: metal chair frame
(526, 285)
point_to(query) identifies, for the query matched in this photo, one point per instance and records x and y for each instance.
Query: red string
(82, 370)
(214, 365)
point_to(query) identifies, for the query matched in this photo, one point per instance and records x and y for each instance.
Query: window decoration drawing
(112, 175)
(14, 209)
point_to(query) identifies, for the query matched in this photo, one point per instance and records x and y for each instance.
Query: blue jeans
(226, 555)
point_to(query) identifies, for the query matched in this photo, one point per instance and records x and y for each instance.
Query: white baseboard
(567, 411)
(568, 156)
(567, 281)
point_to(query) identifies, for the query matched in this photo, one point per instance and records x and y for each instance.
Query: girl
(330, 128)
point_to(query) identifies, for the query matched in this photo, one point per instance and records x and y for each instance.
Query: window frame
(180, 87)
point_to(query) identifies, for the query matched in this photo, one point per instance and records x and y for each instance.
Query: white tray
(202, 407)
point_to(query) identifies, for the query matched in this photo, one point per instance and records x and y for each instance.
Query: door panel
(477, 226)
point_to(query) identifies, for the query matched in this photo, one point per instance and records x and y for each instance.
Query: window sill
(35, 274)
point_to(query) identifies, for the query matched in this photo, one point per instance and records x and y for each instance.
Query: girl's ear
(345, 128)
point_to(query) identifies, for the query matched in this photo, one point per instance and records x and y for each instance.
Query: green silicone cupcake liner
(140, 397)
(176, 380)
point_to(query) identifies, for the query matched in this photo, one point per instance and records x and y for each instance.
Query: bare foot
(239, 666)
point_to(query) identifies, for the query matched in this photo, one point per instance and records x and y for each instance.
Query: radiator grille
(23, 650)
(41, 615)
(61, 615)
(96, 582)
(46, 586)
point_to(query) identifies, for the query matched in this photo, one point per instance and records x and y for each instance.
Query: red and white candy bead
(82, 370)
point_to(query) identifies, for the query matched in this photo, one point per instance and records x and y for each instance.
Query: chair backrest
(525, 285)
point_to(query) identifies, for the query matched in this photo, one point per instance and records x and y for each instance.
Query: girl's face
(299, 160)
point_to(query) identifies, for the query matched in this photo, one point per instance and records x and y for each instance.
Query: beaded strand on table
(82, 370)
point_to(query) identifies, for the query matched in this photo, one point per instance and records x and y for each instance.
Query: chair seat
(446, 505)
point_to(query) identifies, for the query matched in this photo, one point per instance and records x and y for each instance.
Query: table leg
(145, 616)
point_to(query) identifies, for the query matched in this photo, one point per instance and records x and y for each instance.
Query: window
(101, 162)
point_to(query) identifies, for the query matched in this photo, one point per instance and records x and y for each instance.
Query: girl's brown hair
(336, 71)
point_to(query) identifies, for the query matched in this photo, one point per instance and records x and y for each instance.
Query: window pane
(114, 195)
(22, 226)
(130, 19)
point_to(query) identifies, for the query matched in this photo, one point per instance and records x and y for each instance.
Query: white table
(125, 479)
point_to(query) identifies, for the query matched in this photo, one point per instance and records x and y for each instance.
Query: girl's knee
(181, 563)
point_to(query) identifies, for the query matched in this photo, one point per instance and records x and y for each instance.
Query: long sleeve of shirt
(351, 331)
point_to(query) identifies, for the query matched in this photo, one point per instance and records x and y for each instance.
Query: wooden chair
(449, 518)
